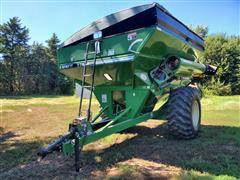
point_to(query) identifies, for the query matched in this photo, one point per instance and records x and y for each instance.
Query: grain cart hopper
(129, 60)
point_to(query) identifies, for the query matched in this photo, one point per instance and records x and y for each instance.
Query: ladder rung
(93, 52)
(91, 87)
(87, 75)
(88, 87)
(87, 64)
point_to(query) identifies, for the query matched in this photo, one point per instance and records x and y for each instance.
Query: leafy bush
(217, 88)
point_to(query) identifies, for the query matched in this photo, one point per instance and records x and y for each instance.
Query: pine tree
(59, 83)
(52, 45)
(38, 71)
(14, 48)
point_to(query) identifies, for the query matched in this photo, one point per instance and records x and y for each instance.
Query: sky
(65, 17)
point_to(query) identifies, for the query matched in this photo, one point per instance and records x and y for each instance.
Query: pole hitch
(77, 129)
(54, 146)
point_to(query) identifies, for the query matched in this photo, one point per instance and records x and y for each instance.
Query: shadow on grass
(215, 151)
(15, 151)
(17, 154)
(7, 135)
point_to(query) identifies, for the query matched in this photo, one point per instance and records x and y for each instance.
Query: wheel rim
(195, 115)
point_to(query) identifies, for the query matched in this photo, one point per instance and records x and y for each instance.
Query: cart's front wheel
(184, 112)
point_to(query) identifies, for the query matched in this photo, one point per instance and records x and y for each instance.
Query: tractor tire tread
(179, 110)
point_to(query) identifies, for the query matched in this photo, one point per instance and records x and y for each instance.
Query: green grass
(144, 151)
(221, 110)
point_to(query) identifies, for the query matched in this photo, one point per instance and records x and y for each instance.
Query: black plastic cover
(135, 18)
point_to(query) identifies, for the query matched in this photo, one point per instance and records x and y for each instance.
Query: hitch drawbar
(77, 130)
(56, 145)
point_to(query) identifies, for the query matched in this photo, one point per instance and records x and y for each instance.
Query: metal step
(89, 53)
(87, 64)
(87, 75)
(89, 87)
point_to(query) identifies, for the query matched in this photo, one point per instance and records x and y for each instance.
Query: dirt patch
(142, 169)
(54, 166)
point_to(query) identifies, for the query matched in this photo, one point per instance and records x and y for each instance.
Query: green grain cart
(130, 60)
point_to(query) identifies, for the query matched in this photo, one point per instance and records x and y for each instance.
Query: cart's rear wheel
(195, 115)
(184, 112)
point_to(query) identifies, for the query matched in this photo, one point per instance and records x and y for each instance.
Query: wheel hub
(195, 115)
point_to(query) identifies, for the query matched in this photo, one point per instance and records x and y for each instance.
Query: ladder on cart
(91, 75)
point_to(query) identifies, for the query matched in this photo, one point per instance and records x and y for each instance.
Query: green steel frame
(130, 71)
(133, 85)
(119, 123)
(129, 96)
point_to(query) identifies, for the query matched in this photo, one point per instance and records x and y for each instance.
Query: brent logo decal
(132, 36)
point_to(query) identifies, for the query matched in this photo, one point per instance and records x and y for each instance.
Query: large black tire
(184, 112)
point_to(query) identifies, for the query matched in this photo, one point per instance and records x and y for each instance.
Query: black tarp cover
(134, 18)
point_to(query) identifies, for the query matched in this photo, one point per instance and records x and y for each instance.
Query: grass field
(143, 152)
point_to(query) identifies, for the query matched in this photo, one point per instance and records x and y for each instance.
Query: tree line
(29, 69)
(32, 69)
